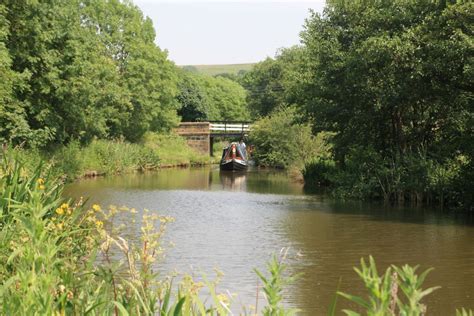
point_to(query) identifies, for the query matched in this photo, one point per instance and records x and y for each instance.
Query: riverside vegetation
(388, 85)
(62, 257)
(85, 88)
(375, 103)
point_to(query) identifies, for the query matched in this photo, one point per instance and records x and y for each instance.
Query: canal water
(235, 222)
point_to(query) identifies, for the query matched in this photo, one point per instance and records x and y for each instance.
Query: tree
(82, 69)
(191, 99)
(204, 98)
(390, 74)
(277, 82)
(393, 78)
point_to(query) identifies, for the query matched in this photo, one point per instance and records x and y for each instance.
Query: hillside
(213, 70)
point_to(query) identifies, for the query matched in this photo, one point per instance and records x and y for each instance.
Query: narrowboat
(234, 158)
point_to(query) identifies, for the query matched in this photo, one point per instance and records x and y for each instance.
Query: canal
(234, 222)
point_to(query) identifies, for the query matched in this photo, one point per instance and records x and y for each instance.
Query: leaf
(122, 309)
(332, 306)
(355, 299)
(179, 306)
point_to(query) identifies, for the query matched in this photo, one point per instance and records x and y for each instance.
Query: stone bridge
(201, 135)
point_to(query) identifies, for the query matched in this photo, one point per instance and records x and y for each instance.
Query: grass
(108, 157)
(173, 150)
(213, 70)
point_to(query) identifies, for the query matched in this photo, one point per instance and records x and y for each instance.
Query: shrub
(319, 172)
(281, 141)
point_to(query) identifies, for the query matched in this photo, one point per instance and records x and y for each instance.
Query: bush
(281, 141)
(319, 172)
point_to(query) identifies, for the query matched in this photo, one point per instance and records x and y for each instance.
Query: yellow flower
(99, 224)
(60, 211)
(41, 187)
(64, 206)
(223, 299)
(60, 226)
(40, 181)
(96, 207)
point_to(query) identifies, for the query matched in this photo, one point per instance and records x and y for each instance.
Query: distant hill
(213, 70)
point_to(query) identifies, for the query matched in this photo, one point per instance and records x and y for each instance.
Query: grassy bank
(108, 157)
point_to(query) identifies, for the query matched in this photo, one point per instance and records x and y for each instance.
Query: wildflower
(223, 299)
(70, 295)
(42, 187)
(60, 226)
(99, 224)
(60, 211)
(65, 206)
(40, 181)
(96, 207)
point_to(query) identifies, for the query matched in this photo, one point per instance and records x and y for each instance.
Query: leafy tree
(393, 74)
(276, 82)
(191, 99)
(393, 78)
(147, 75)
(13, 124)
(82, 69)
(204, 98)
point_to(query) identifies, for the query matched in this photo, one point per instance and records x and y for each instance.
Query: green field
(213, 70)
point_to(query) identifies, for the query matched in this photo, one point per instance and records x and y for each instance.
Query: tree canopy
(206, 98)
(82, 69)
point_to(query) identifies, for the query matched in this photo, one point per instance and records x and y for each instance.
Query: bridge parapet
(197, 135)
(200, 135)
(188, 128)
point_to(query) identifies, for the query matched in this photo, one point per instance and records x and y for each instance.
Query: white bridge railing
(231, 127)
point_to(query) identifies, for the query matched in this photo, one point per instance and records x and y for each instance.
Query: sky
(226, 31)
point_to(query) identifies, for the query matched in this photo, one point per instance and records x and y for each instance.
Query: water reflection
(233, 181)
(235, 221)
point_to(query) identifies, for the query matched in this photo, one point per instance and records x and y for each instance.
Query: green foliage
(383, 291)
(319, 172)
(173, 150)
(273, 286)
(366, 174)
(204, 98)
(390, 79)
(99, 157)
(277, 82)
(79, 70)
(281, 141)
(113, 157)
(464, 312)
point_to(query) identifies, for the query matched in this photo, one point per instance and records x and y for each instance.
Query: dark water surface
(235, 222)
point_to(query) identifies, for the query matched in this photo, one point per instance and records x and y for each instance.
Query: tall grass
(106, 157)
(173, 150)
